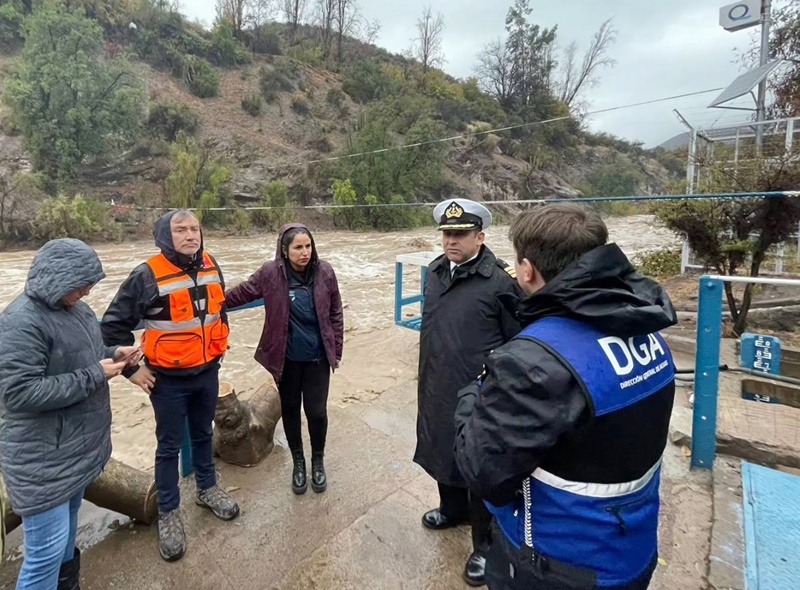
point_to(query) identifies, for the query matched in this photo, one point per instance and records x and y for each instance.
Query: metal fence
(707, 362)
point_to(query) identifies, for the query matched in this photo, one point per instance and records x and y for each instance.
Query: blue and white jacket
(563, 433)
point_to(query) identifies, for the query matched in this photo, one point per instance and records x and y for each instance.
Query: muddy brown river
(376, 355)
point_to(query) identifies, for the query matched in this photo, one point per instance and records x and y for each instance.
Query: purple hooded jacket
(270, 282)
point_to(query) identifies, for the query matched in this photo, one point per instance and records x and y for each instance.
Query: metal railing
(706, 377)
(779, 256)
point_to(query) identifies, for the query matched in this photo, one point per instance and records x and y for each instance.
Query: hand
(144, 378)
(112, 368)
(130, 354)
(338, 363)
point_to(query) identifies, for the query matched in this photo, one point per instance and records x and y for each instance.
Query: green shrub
(225, 49)
(300, 104)
(7, 125)
(197, 179)
(240, 221)
(74, 217)
(336, 97)
(251, 104)
(168, 119)
(267, 40)
(10, 25)
(281, 77)
(308, 52)
(660, 264)
(201, 77)
(367, 81)
(276, 196)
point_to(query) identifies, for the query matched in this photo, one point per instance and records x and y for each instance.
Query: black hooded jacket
(139, 294)
(530, 411)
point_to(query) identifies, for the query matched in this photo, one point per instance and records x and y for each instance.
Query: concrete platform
(364, 532)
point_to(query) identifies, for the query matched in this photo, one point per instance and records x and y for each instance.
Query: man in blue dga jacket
(563, 433)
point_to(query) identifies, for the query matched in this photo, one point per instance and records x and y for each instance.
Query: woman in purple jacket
(301, 342)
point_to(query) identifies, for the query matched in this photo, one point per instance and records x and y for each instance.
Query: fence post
(779, 262)
(684, 255)
(706, 376)
(398, 292)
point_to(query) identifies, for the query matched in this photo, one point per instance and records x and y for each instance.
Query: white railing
(780, 256)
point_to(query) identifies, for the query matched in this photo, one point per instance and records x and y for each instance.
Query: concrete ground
(364, 532)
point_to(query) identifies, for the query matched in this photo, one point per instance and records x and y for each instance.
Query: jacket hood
(281, 257)
(603, 289)
(162, 232)
(59, 268)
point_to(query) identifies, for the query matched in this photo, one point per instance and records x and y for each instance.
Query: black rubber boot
(299, 481)
(70, 573)
(318, 479)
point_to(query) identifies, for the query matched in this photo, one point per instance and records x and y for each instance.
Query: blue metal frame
(706, 377)
(414, 323)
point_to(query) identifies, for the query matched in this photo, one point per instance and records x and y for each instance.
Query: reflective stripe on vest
(609, 528)
(195, 333)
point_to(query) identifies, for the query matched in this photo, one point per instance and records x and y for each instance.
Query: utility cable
(509, 128)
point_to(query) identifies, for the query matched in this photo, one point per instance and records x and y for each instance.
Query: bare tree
(259, 12)
(294, 11)
(233, 11)
(325, 17)
(574, 78)
(494, 71)
(428, 44)
(370, 31)
(346, 19)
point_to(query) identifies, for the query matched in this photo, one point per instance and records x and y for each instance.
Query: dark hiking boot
(299, 482)
(70, 573)
(319, 481)
(171, 539)
(219, 502)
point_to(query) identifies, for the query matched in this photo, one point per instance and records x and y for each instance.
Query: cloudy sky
(664, 48)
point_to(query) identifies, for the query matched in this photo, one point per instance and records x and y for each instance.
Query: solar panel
(745, 83)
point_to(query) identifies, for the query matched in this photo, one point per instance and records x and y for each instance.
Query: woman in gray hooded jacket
(55, 413)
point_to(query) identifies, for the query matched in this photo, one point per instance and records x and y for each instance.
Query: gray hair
(182, 214)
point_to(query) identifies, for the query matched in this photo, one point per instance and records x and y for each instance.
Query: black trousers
(174, 400)
(305, 384)
(460, 504)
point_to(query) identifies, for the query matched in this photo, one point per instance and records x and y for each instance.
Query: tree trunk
(731, 299)
(120, 488)
(244, 429)
(126, 490)
(747, 300)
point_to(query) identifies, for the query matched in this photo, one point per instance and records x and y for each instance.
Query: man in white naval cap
(464, 317)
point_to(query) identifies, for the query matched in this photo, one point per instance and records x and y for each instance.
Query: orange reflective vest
(190, 331)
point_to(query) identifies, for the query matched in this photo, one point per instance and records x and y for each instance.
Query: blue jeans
(174, 400)
(49, 541)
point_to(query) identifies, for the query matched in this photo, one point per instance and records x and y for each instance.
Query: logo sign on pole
(760, 353)
(741, 15)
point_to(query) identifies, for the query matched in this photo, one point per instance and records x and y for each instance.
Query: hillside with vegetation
(114, 110)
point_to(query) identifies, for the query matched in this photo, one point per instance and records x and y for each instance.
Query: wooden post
(120, 488)
(244, 429)
(125, 490)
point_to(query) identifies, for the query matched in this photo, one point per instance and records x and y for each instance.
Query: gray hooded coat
(55, 413)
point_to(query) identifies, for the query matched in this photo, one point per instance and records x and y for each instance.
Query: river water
(377, 355)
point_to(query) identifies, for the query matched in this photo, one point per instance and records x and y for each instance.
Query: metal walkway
(771, 528)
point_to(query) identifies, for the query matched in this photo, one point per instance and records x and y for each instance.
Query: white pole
(766, 21)
(684, 255)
